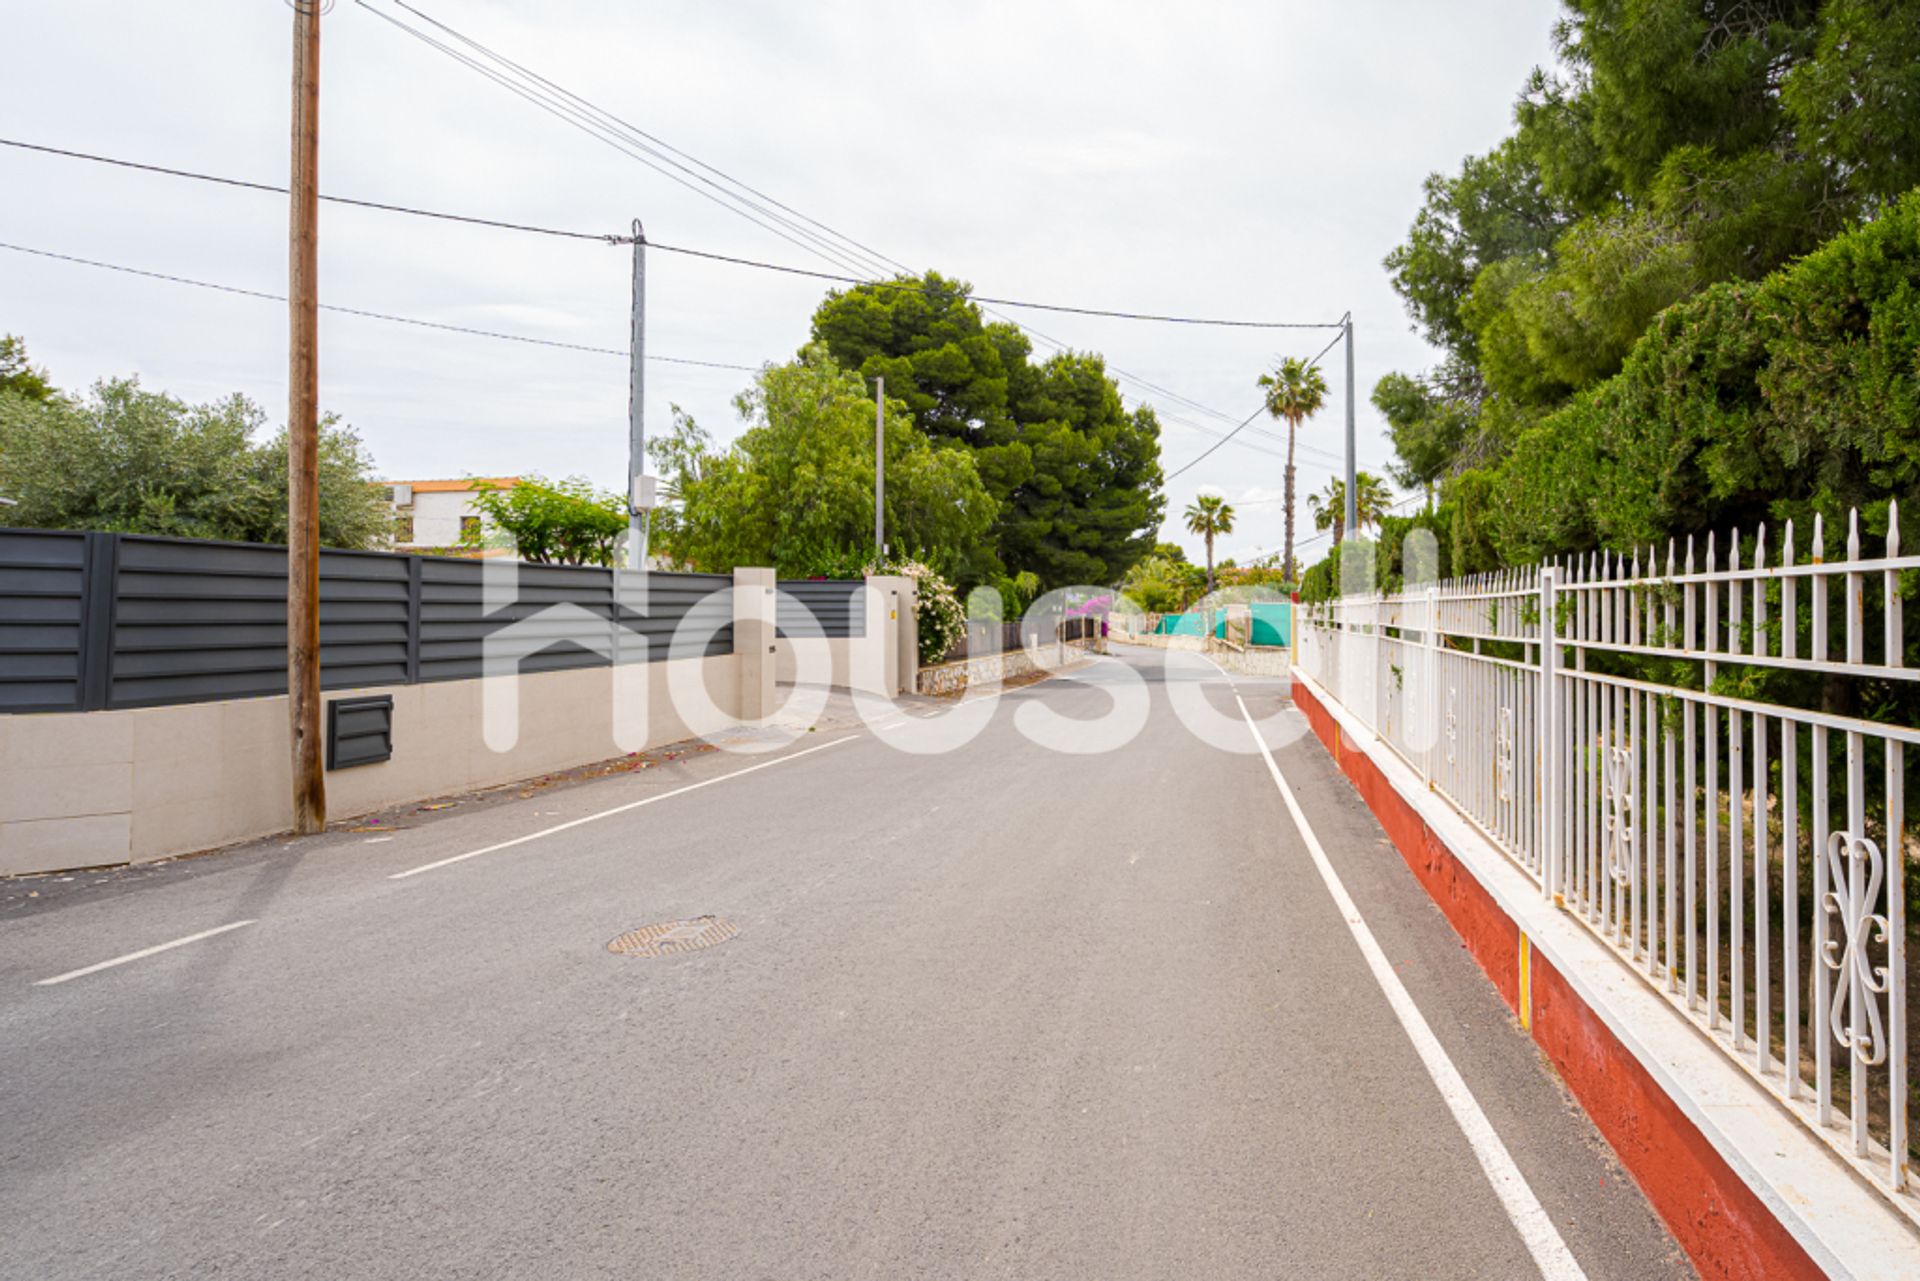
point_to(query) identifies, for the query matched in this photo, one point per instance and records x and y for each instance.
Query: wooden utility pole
(303, 428)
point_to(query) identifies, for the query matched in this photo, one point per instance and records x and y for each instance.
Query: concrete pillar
(878, 665)
(907, 635)
(753, 636)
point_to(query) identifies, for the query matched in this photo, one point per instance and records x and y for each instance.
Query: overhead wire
(277, 190)
(1328, 533)
(561, 111)
(619, 239)
(1120, 374)
(362, 312)
(851, 255)
(876, 260)
(1189, 466)
(1205, 453)
(573, 108)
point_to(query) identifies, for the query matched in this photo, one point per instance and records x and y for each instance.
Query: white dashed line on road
(142, 953)
(618, 809)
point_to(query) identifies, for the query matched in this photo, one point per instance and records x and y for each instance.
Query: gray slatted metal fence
(836, 604)
(43, 604)
(90, 621)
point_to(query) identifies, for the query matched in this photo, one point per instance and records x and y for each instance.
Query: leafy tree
(562, 522)
(1429, 429)
(1076, 478)
(1749, 402)
(1017, 593)
(1208, 515)
(1372, 501)
(133, 461)
(795, 491)
(1162, 585)
(17, 375)
(1294, 391)
(1492, 211)
(1684, 143)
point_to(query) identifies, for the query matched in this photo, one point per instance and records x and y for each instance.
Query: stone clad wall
(952, 678)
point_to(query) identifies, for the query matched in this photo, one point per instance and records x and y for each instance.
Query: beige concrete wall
(94, 788)
(832, 655)
(888, 664)
(883, 660)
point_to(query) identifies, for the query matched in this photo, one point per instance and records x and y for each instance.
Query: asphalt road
(1002, 1012)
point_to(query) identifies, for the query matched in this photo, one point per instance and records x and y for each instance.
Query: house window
(403, 529)
(469, 529)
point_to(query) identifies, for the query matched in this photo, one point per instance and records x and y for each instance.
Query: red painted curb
(1718, 1220)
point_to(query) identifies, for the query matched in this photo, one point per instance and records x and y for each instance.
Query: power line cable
(572, 107)
(1249, 418)
(612, 136)
(599, 114)
(607, 238)
(358, 311)
(389, 207)
(1328, 533)
(338, 200)
(876, 262)
(1209, 449)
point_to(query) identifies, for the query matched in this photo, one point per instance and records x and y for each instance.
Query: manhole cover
(669, 937)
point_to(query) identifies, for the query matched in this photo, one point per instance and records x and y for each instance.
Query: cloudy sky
(1251, 160)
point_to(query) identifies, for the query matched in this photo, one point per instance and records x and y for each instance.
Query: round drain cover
(669, 937)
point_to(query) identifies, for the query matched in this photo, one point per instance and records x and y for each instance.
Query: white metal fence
(1685, 757)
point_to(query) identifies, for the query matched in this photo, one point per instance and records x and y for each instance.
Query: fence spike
(1670, 543)
(1819, 548)
(1853, 533)
(1786, 544)
(1733, 549)
(1760, 547)
(1893, 528)
(1689, 553)
(1712, 554)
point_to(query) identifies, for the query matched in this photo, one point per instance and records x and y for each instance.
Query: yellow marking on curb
(1526, 982)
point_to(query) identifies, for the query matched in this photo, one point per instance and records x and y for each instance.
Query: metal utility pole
(303, 430)
(639, 495)
(1353, 494)
(880, 466)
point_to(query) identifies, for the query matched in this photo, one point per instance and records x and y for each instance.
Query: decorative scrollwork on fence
(1503, 754)
(1855, 870)
(1620, 814)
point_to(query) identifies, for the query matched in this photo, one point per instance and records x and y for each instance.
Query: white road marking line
(618, 809)
(143, 952)
(1530, 1219)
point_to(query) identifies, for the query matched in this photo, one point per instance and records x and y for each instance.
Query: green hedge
(1750, 401)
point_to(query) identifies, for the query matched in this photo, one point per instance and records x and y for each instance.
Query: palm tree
(1372, 501)
(1295, 391)
(1208, 515)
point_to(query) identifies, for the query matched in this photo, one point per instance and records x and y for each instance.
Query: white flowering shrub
(937, 610)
